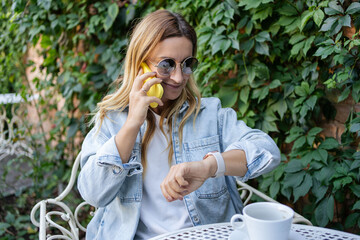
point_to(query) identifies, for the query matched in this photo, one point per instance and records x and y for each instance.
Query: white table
(223, 230)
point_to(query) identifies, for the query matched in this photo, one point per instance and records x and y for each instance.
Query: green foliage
(282, 65)
(279, 64)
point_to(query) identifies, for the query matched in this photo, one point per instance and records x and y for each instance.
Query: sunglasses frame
(181, 65)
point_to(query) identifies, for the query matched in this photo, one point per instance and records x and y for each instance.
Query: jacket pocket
(195, 151)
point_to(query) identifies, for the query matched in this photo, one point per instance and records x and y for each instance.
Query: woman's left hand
(185, 178)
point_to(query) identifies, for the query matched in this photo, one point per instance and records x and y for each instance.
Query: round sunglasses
(166, 66)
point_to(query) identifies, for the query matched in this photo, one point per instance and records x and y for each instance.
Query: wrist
(210, 165)
(218, 164)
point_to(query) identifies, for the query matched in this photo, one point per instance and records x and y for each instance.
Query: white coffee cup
(265, 221)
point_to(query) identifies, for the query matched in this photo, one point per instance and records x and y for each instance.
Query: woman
(154, 170)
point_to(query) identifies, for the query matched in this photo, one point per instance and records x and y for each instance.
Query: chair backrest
(71, 218)
(13, 141)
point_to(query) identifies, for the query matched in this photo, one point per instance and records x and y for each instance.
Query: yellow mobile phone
(156, 89)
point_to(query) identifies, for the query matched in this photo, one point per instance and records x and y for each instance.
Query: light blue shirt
(116, 188)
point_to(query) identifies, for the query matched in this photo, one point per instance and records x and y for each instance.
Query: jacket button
(116, 169)
(196, 219)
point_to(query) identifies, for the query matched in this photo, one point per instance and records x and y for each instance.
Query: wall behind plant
(282, 65)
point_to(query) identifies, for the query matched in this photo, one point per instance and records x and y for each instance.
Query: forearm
(125, 140)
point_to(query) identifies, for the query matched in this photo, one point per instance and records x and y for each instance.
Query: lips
(173, 86)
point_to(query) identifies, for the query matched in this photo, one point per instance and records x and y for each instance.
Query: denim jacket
(115, 188)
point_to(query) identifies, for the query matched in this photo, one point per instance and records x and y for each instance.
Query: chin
(170, 97)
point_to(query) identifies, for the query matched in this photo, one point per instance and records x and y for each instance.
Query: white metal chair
(71, 219)
(13, 141)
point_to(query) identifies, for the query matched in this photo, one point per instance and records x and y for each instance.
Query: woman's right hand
(138, 106)
(139, 101)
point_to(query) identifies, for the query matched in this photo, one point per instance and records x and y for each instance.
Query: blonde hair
(154, 28)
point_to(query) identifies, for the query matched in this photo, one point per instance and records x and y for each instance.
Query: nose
(177, 74)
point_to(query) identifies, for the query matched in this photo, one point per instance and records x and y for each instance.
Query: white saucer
(242, 235)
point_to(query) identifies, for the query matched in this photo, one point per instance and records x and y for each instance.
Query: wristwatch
(220, 163)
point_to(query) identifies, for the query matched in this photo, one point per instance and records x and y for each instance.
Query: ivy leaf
(280, 107)
(46, 4)
(318, 190)
(299, 101)
(311, 101)
(296, 48)
(244, 94)
(355, 164)
(274, 84)
(249, 4)
(3, 227)
(108, 23)
(288, 10)
(293, 180)
(302, 90)
(262, 37)
(328, 23)
(73, 128)
(243, 107)
(303, 188)
(130, 13)
(312, 133)
(305, 18)
(344, 95)
(355, 127)
(355, 190)
(261, 93)
(299, 142)
(330, 207)
(247, 46)
(321, 211)
(323, 154)
(324, 52)
(319, 17)
(334, 9)
(296, 38)
(293, 166)
(356, 205)
(308, 44)
(268, 124)
(234, 40)
(345, 21)
(351, 220)
(295, 132)
(113, 11)
(228, 96)
(329, 143)
(224, 45)
(353, 8)
(274, 189)
(217, 44)
(262, 48)
(324, 175)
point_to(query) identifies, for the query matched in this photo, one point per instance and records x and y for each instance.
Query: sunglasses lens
(166, 66)
(190, 65)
